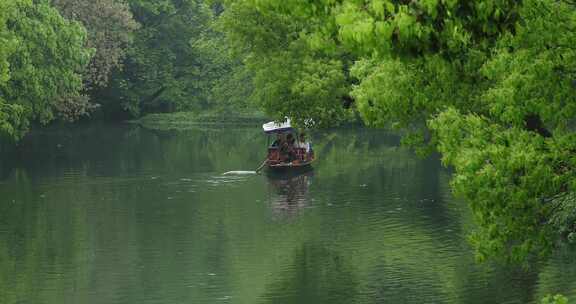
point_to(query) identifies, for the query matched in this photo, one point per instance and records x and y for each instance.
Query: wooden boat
(286, 156)
(290, 165)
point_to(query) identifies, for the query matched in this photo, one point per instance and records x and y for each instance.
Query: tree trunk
(532, 122)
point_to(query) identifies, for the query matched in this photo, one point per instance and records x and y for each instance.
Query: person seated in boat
(302, 143)
(305, 146)
(287, 149)
(279, 140)
(274, 154)
(290, 140)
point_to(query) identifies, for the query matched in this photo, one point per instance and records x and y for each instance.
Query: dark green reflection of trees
(371, 169)
(559, 274)
(209, 244)
(316, 275)
(126, 149)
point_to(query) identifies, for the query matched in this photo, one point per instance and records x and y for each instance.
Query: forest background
(489, 84)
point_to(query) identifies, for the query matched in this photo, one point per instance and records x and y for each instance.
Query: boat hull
(286, 168)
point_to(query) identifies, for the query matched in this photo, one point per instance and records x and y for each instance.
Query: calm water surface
(120, 214)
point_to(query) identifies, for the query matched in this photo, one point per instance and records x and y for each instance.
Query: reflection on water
(318, 274)
(289, 191)
(118, 214)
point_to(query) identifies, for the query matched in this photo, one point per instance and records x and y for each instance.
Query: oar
(262, 165)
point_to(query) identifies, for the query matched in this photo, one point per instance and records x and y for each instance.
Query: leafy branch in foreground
(489, 84)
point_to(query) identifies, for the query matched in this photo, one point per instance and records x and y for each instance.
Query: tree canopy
(164, 68)
(489, 84)
(42, 59)
(65, 59)
(109, 34)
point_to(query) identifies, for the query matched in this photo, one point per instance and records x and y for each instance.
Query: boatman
(303, 144)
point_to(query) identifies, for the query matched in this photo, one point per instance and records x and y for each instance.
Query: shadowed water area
(121, 214)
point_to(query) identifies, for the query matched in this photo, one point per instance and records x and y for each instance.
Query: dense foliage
(175, 62)
(42, 58)
(489, 84)
(65, 59)
(161, 67)
(289, 75)
(109, 33)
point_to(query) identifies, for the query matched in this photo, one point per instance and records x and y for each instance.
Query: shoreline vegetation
(179, 120)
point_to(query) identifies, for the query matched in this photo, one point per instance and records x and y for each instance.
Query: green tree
(556, 299)
(489, 84)
(109, 33)
(162, 71)
(514, 158)
(10, 114)
(290, 75)
(42, 58)
(225, 84)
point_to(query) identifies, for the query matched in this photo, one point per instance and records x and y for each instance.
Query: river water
(116, 214)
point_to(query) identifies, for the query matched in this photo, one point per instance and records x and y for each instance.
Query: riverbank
(190, 119)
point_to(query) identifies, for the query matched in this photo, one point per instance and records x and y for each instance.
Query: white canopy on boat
(274, 127)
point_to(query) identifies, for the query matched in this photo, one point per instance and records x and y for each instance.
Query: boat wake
(239, 173)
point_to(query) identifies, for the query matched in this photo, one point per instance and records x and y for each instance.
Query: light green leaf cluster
(9, 114)
(42, 58)
(505, 174)
(301, 88)
(513, 176)
(7, 40)
(400, 93)
(533, 72)
(374, 26)
(295, 72)
(554, 299)
(382, 32)
(11, 120)
(491, 84)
